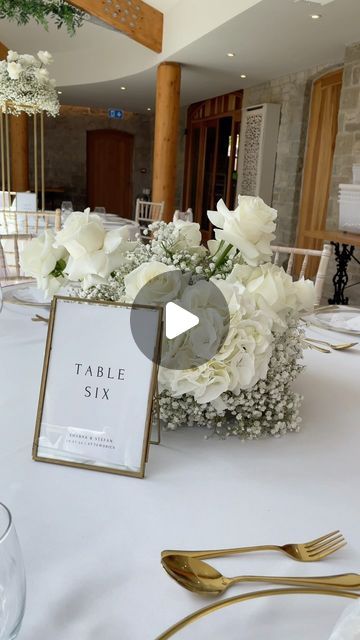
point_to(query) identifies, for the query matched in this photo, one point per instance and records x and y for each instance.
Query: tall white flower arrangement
(26, 85)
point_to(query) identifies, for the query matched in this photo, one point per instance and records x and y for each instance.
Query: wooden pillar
(19, 145)
(20, 152)
(166, 135)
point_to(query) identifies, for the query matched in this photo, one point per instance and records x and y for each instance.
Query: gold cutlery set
(316, 344)
(190, 571)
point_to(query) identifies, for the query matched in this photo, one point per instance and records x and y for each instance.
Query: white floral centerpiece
(25, 84)
(245, 389)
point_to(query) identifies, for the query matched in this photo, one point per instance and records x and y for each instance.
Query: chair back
(11, 245)
(29, 222)
(186, 216)
(323, 256)
(147, 212)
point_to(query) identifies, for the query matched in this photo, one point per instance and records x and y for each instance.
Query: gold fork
(311, 551)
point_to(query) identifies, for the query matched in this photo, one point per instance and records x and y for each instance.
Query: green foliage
(59, 11)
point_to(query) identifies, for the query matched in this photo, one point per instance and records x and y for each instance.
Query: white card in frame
(97, 388)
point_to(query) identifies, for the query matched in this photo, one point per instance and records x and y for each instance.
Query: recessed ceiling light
(59, 92)
(149, 109)
(230, 54)
(316, 16)
(123, 88)
(243, 75)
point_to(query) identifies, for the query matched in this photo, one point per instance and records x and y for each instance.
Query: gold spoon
(340, 346)
(200, 577)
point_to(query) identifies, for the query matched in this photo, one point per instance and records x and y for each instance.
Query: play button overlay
(178, 320)
(196, 319)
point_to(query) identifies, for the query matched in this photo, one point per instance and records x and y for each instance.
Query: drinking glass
(100, 210)
(12, 578)
(66, 207)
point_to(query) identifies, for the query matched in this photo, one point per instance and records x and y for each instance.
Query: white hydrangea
(241, 360)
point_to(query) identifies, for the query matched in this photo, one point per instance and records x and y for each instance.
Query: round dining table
(91, 541)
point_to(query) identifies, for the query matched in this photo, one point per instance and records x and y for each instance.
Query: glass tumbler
(12, 578)
(66, 207)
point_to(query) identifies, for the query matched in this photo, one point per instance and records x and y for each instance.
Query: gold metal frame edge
(151, 394)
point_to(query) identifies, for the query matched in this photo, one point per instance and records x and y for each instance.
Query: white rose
(249, 228)
(270, 282)
(94, 267)
(27, 60)
(14, 70)
(42, 75)
(82, 233)
(274, 290)
(189, 234)
(305, 294)
(117, 245)
(116, 238)
(88, 264)
(39, 256)
(12, 56)
(165, 288)
(50, 285)
(45, 57)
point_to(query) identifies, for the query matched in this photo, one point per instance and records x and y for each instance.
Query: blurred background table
(344, 244)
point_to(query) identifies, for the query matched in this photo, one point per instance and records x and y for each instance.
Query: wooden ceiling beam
(137, 19)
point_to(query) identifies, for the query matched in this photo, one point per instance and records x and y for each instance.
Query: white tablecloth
(92, 541)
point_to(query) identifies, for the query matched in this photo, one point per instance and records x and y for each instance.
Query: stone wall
(65, 149)
(293, 93)
(347, 152)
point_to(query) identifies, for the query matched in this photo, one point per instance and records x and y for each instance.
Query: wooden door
(212, 142)
(211, 167)
(206, 176)
(109, 171)
(321, 137)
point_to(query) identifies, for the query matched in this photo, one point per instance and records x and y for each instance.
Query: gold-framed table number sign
(97, 388)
